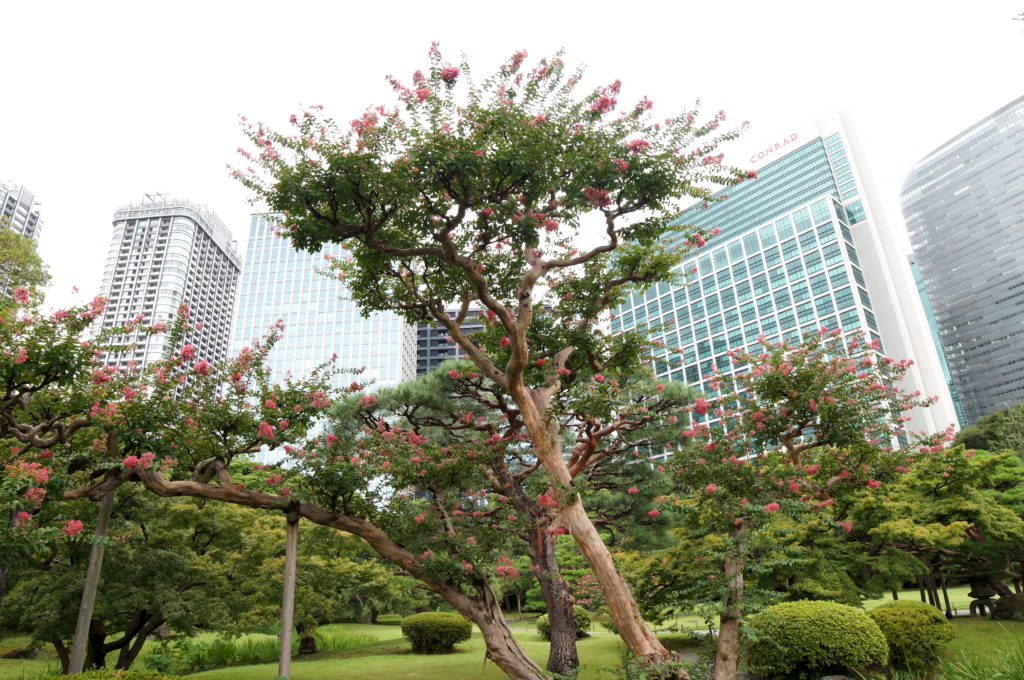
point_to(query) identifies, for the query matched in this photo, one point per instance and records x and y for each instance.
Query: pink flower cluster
(599, 198)
(72, 527)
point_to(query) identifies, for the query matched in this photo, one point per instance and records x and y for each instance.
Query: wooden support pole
(92, 582)
(291, 545)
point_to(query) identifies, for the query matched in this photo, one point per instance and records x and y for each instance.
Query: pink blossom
(449, 74)
(639, 145)
(653, 513)
(422, 94)
(147, 459)
(35, 495)
(22, 519)
(266, 430)
(599, 198)
(274, 480)
(454, 374)
(203, 368)
(711, 488)
(283, 424)
(771, 507)
(620, 164)
(367, 401)
(873, 483)
(504, 342)
(599, 378)
(604, 104)
(22, 295)
(130, 462)
(188, 352)
(72, 527)
(22, 356)
(270, 404)
(701, 405)
(632, 490)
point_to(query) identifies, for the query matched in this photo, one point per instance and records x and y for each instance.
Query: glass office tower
(802, 247)
(280, 282)
(964, 207)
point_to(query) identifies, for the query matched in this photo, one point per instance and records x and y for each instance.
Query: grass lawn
(980, 638)
(389, 657)
(957, 598)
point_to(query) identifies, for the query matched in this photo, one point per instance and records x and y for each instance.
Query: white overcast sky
(102, 102)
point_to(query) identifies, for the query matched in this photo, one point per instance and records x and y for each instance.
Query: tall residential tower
(165, 252)
(964, 207)
(19, 210)
(804, 246)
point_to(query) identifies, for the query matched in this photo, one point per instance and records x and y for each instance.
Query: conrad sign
(774, 148)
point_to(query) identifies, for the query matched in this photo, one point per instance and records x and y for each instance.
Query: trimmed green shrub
(580, 616)
(917, 632)
(435, 632)
(808, 639)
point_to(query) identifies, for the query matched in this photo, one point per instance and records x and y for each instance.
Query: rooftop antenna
(156, 197)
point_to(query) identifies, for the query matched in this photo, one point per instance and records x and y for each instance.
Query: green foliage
(113, 674)
(806, 639)
(20, 265)
(917, 633)
(580, 617)
(435, 632)
(183, 656)
(999, 431)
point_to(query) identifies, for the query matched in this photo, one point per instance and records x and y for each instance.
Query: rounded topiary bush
(917, 632)
(580, 616)
(435, 632)
(808, 639)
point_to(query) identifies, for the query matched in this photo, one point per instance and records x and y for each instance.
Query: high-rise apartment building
(165, 252)
(434, 346)
(804, 246)
(964, 208)
(19, 210)
(280, 282)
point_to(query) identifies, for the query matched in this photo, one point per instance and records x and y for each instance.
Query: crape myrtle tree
(455, 407)
(190, 420)
(796, 430)
(473, 193)
(20, 265)
(47, 395)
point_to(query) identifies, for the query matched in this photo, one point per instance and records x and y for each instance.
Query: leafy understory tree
(797, 430)
(473, 193)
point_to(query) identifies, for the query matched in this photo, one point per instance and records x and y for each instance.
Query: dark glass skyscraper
(964, 207)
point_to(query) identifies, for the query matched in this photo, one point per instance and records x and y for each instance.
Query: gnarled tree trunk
(545, 436)
(563, 657)
(727, 651)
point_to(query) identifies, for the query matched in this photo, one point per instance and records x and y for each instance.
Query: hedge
(580, 616)
(917, 632)
(435, 632)
(808, 639)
